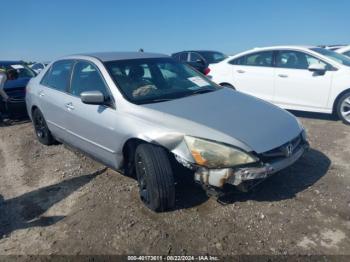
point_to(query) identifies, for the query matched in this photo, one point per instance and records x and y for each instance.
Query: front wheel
(155, 177)
(41, 130)
(343, 108)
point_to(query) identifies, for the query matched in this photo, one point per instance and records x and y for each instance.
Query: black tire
(41, 130)
(155, 177)
(341, 107)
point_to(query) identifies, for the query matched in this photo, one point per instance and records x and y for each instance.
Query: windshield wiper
(201, 91)
(157, 100)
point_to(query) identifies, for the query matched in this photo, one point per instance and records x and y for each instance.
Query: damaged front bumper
(217, 178)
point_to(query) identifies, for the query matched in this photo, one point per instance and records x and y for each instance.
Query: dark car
(199, 60)
(15, 88)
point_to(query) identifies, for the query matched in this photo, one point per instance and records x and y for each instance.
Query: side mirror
(92, 98)
(318, 68)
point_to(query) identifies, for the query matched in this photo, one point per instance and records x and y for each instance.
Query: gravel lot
(57, 201)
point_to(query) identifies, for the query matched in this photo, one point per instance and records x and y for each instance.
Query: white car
(293, 77)
(344, 51)
(37, 67)
(332, 47)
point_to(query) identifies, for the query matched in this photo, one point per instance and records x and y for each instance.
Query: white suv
(292, 77)
(344, 50)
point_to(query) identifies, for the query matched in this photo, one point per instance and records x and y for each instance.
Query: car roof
(333, 46)
(269, 48)
(10, 62)
(343, 49)
(285, 47)
(198, 51)
(113, 56)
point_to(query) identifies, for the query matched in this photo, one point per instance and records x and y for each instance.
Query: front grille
(282, 151)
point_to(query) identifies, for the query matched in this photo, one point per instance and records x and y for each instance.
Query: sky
(43, 30)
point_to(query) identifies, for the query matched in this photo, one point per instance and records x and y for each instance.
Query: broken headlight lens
(214, 155)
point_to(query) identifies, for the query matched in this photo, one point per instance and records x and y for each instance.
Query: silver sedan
(146, 114)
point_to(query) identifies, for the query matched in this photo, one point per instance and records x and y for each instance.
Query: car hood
(256, 123)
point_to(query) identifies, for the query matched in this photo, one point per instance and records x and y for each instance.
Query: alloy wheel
(345, 109)
(40, 126)
(142, 179)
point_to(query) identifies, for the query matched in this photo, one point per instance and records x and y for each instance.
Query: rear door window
(59, 75)
(262, 59)
(184, 57)
(195, 57)
(176, 56)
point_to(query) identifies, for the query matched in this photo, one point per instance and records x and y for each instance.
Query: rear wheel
(41, 130)
(343, 108)
(155, 177)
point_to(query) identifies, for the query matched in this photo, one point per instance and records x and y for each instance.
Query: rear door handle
(41, 93)
(240, 71)
(70, 106)
(283, 76)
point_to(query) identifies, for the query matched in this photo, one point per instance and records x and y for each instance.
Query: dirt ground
(57, 201)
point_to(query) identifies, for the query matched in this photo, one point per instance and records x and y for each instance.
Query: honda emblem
(289, 150)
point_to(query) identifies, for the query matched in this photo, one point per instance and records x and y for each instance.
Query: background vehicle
(37, 67)
(144, 113)
(332, 47)
(199, 60)
(15, 89)
(344, 51)
(292, 77)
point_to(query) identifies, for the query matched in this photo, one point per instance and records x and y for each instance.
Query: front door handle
(283, 75)
(240, 71)
(70, 106)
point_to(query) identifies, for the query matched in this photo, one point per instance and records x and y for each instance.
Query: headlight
(214, 155)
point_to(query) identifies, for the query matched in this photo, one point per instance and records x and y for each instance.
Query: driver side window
(296, 60)
(86, 77)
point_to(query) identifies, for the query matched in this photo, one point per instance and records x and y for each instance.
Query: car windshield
(157, 79)
(23, 71)
(213, 57)
(333, 55)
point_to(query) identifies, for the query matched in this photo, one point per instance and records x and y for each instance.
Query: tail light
(206, 71)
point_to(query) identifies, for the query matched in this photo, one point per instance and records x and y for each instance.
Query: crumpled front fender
(174, 142)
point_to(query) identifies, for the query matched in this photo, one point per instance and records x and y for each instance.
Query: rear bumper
(219, 177)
